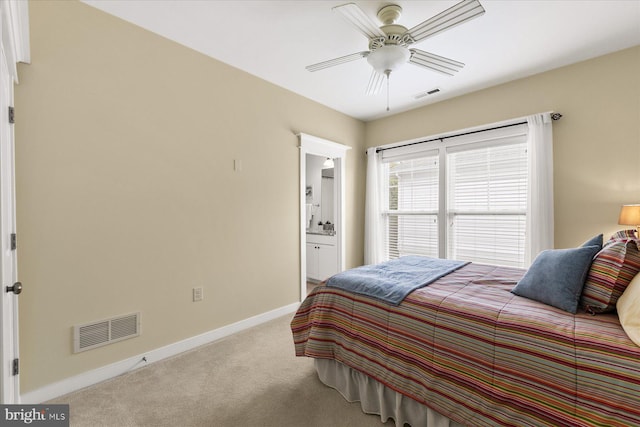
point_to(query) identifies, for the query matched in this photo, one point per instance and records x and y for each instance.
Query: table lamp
(630, 215)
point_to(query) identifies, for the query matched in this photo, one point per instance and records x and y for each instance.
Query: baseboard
(98, 375)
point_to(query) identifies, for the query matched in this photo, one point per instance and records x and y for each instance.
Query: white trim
(322, 147)
(15, 33)
(303, 221)
(103, 373)
(310, 144)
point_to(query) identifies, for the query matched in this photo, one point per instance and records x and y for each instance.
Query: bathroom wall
(314, 169)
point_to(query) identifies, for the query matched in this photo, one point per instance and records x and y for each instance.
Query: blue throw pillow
(557, 276)
(595, 241)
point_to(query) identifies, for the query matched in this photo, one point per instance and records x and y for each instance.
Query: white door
(10, 390)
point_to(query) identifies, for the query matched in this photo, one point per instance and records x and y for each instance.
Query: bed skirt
(377, 399)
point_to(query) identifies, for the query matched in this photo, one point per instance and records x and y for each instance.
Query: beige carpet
(249, 379)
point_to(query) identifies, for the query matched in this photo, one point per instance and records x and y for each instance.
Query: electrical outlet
(197, 294)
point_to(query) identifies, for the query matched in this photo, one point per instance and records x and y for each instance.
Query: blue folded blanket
(393, 280)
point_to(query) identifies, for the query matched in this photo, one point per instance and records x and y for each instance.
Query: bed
(468, 351)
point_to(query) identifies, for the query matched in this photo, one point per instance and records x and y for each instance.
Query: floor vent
(97, 334)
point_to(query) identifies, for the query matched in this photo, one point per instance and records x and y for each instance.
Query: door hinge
(14, 241)
(12, 118)
(16, 366)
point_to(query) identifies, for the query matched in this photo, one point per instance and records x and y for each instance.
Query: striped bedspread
(468, 348)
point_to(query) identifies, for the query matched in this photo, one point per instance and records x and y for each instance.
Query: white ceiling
(275, 40)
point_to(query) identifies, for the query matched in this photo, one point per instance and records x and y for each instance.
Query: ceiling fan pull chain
(388, 73)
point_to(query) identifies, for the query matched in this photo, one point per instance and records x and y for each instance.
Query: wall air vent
(103, 332)
(427, 93)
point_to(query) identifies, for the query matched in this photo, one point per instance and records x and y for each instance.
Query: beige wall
(596, 143)
(127, 197)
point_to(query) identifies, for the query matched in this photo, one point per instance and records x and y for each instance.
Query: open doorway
(320, 223)
(322, 245)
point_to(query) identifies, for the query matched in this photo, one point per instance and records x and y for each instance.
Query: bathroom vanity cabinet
(322, 256)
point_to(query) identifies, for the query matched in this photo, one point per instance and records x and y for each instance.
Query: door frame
(14, 48)
(310, 144)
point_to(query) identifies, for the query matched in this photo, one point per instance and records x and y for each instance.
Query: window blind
(487, 189)
(412, 206)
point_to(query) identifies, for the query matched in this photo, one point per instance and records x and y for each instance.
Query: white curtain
(540, 194)
(373, 237)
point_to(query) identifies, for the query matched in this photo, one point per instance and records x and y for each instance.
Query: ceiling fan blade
(456, 14)
(375, 83)
(435, 62)
(352, 13)
(337, 61)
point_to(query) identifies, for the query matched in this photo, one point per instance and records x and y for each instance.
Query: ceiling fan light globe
(388, 58)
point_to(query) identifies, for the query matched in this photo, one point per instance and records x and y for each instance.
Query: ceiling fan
(389, 44)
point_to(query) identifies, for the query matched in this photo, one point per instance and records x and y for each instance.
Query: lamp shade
(629, 215)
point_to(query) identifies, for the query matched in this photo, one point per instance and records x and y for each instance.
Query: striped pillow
(610, 273)
(623, 234)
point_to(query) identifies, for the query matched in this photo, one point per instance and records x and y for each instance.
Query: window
(461, 198)
(413, 207)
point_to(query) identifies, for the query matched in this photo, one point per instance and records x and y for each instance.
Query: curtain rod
(554, 116)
